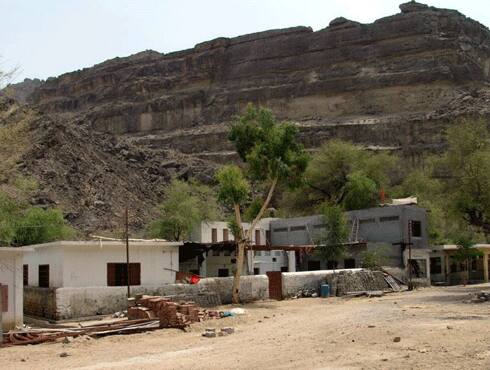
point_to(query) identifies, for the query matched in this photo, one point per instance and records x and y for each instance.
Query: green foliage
(41, 226)
(269, 147)
(233, 187)
(186, 204)
(360, 191)
(374, 259)
(343, 174)
(331, 240)
(252, 210)
(21, 224)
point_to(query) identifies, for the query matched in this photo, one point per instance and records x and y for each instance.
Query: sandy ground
(437, 331)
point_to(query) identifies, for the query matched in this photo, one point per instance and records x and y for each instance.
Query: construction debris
(479, 297)
(146, 313)
(211, 332)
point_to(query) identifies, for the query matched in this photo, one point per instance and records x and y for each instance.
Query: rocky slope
(393, 84)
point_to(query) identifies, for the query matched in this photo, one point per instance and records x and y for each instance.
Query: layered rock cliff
(394, 84)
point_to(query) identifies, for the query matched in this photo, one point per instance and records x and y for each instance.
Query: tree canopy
(186, 204)
(22, 224)
(331, 240)
(271, 156)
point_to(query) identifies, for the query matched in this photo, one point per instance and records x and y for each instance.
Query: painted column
(203, 269)
(291, 261)
(485, 267)
(427, 268)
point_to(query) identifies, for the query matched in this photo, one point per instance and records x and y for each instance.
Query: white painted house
(83, 278)
(11, 287)
(222, 262)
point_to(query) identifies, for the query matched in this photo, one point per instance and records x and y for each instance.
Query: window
(117, 274)
(280, 229)
(274, 259)
(257, 253)
(349, 263)
(225, 235)
(416, 229)
(298, 228)
(43, 276)
(256, 271)
(227, 253)
(26, 275)
(284, 269)
(216, 252)
(223, 273)
(320, 226)
(268, 236)
(214, 235)
(313, 265)
(367, 221)
(435, 265)
(389, 218)
(257, 237)
(277, 253)
(332, 265)
(267, 253)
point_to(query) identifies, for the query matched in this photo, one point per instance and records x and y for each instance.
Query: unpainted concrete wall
(40, 302)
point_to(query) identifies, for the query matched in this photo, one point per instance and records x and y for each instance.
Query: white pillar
(203, 269)
(485, 267)
(291, 261)
(250, 262)
(427, 268)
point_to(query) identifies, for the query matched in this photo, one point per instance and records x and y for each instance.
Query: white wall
(52, 256)
(11, 275)
(85, 264)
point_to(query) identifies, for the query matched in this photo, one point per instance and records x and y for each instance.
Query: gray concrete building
(383, 229)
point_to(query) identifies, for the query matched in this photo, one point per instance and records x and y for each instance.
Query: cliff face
(394, 84)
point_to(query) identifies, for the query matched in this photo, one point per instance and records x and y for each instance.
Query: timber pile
(35, 336)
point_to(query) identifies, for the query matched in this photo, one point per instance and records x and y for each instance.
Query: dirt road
(436, 330)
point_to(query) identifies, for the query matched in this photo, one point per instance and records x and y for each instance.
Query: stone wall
(342, 281)
(40, 302)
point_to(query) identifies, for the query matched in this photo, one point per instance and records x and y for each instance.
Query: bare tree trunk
(244, 240)
(241, 252)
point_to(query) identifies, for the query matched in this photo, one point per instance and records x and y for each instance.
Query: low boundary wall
(69, 303)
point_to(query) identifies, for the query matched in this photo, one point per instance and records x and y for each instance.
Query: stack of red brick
(170, 314)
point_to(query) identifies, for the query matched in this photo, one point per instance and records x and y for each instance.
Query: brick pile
(171, 314)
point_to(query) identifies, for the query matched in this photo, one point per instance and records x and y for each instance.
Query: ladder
(354, 233)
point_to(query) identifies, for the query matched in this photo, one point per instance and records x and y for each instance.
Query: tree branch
(263, 208)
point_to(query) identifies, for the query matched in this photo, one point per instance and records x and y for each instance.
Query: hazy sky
(50, 37)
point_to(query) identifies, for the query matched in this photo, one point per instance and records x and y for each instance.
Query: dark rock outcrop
(394, 84)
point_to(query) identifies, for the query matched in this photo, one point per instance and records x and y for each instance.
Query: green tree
(374, 259)
(467, 162)
(343, 174)
(272, 156)
(466, 251)
(186, 204)
(21, 224)
(331, 240)
(39, 225)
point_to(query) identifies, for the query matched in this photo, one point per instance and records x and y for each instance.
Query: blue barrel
(325, 290)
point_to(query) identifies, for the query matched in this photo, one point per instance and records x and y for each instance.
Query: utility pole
(127, 250)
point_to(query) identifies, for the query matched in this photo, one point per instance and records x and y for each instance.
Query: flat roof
(16, 249)
(102, 243)
(450, 247)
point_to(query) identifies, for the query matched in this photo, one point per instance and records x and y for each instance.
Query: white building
(83, 278)
(222, 262)
(11, 287)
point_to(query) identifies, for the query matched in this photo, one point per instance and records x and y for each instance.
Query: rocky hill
(394, 84)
